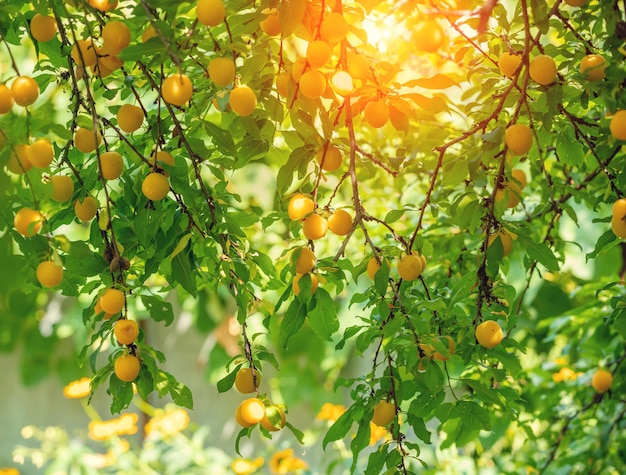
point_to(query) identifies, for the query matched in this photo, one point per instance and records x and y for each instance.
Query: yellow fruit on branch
(86, 208)
(6, 99)
(489, 334)
(242, 101)
(115, 36)
(410, 266)
(592, 67)
(271, 25)
(312, 84)
(25, 91)
(111, 165)
(177, 89)
(334, 27)
(304, 260)
(222, 71)
(372, 267)
(28, 222)
(18, 161)
(509, 63)
(84, 53)
(359, 67)
(155, 186)
(126, 331)
(329, 158)
(240, 420)
(314, 227)
(160, 158)
(103, 5)
(296, 286)
(431, 352)
(518, 138)
(617, 126)
(40, 153)
(274, 419)
(318, 53)
(211, 12)
(300, 206)
(342, 83)
(86, 140)
(148, 33)
(97, 309)
(43, 27)
(49, 274)
(602, 380)
(376, 113)
(618, 218)
(340, 222)
(127, 367)
(112, 301)
(247, 381)
(505, 239)
(252, 410)
(519, 177)
(384, 413)
(427, 36)
(511, 190)
(542, 69)
(62, 188)
(129, 117)
(282, 83)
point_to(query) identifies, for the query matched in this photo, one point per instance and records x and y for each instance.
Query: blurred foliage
(515, 230)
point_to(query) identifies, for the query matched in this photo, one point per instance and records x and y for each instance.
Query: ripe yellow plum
(222, 71)
(489, 334)
(242, 101)
(177, 89)
(542, 69)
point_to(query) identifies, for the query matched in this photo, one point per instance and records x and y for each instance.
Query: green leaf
(285, 173)
(340, 428)
(466, 420)
(181, 245)
(360, 441)
(183, 272)
(181, 394)
(381, 278)
(121, 393)
(568, 149)
(158, 309)
(484, 393)
(540, 253)
(323, 314)
(292, 321)
(376, 460)
(619, 323)
(425, 404)
(299, 435)
(245, 432)
(462, 289)
(221, 138)
(608, 237)
(394, 215)
(540, 15)
(227, 381)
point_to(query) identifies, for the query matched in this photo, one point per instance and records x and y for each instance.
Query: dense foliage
(434, 188)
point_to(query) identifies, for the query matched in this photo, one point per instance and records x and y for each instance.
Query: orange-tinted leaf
(398, 119)
(290, 15)
(429, 104)
(438, 81)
